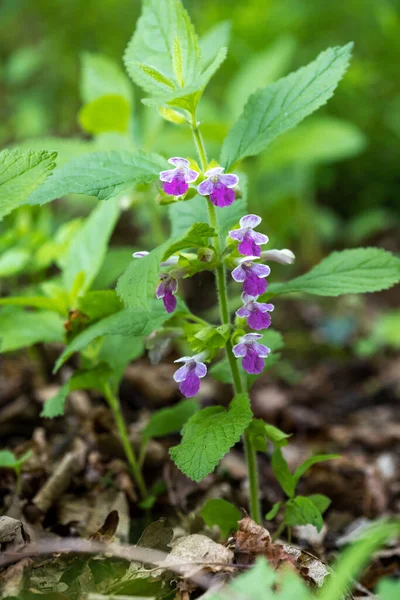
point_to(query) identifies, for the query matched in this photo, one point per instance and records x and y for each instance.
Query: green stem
(114, 404)
(239, 387)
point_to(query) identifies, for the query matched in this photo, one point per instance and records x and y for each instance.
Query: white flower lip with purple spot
(252, 353)
(176, 181)
(249, 240)
(219, 186)
(190, 374)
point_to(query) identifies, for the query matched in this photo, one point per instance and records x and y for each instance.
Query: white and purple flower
(284, 256)
(252, 275)
(257, 313)
(166, 290)
(252, 353)
(176, 181)
(250, 241)
(219, 186)
(190, 374)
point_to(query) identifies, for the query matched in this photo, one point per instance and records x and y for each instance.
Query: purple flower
(166, 290)
(250, 241)
(219, 186)
(256, 312)
(285, 256)
(252, 275)
(252, 353)
(190, 374)
(176, 181)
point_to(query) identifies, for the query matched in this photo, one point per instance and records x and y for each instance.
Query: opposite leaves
(209, 435)
(282, 105)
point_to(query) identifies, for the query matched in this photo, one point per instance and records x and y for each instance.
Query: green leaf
(115, 262)
(13, 261)
(19, 329)
(101, 76)
(283, 104)
(302, 511)
(259, 431)
(353, 271)
(100, 174)
(20, 174)
(53, 304)
(282, 473)
(118, 351)
(99, 304)
(388, 589)
(162, 26)
(321, 502)
(275, 435)
(299, 472)
(136, 287)
(93, 379)
(89, 246)
(9, 461)
(107, 113)
(221, 513)
(209, 435)
(273, 512)
(354, 559)
(170, 420)
(133, 323)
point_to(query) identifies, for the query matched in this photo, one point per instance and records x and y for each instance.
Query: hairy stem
(239, 387)
(114, 404)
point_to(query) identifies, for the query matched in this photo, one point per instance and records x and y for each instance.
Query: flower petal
(261, 270)
(200, 369)
(181, 374)
(259, 238)
(284, 257)
(239, 350)
(229, 180)
(183, 359)
(177, 187)
(243, 312)
(169, 302)
(250, 221)
(251, 337)
(214, 172)
(221, 195)
(191, 175)
(178, 161)
(205, 188)
(140, 254)
(190, 387)
(168, 175)
(264, 307)
(239, 274)
(237, 234)
(259, 320)
(248, 247)
(253, 285)
(252, 363)
(160, 291)
(262, 350)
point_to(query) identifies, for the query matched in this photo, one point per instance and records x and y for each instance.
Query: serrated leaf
(19, 329)
(161, 25)
(209, 435)
(93, 379)
(107, 113)
(283, 104)
(101, 76)
(302, 511)
(20, 174)
(133, 322)
(89, 246)
(354, 271)
(100, 174)
(225, 515)
(282, 472)
(170, 420)
(136, 287)
(313, 460)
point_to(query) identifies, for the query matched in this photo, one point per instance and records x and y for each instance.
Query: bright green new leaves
(221, 513)
(134, 323)
(170, 420)
(20, 174)
(9, 461)
(93, 379)
(353, 271)
(164, 55)
(19, 329)
(283, 104)
(209, 435)
(136, 287)
(108, 113)
(89, 246)
(301, 510)
(100, 174)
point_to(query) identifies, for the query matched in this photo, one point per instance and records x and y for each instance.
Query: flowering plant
(211, 229)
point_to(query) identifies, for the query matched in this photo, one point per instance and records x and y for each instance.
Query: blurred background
(331, 183)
